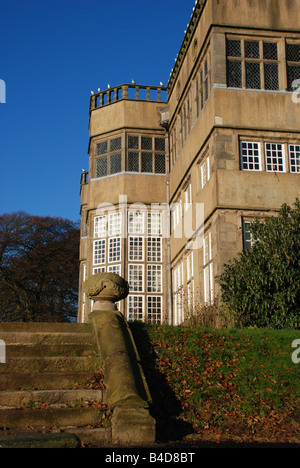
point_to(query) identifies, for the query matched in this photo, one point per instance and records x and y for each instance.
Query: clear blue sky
(52, 54)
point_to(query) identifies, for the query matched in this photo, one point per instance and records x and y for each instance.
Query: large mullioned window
(146, 154)
(108, 157)
(252, 63)
(145, 266)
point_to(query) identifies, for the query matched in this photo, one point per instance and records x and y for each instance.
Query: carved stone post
(127, 393)
(105, 289)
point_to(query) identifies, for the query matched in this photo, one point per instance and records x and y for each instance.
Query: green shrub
(261, 285)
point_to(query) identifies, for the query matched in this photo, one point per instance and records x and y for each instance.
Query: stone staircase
(51, 387)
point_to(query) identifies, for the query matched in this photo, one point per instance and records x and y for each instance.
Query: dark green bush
(261, 285)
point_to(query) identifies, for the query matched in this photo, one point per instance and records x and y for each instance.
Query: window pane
(252, 49)
(101, 167)
(271, 76)
(99, 251)
(160, 164)
(234, 48)
(133, 142)
(136, 222)
(136, 248)
(100, 226)
(114, 269)
(154, 249)
(250, 156)
(115, 163)
(274, 157)
(293, 73)
(114, 249)
(102, 148)
(147, 143)
(293, 52)
(147, 162)
(154, 278)
(234, 74)
(114, 224)
(253, 75)
(159, 144)
(115, 144)
(154, 309)
(154, 225)
(270, 51)
(136, 278)
(294, 156)
(247, 235)
(133, 162)
(135, 308)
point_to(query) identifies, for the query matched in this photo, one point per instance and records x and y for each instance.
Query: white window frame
(154, 278)
(189, 266)
(205, 172)
(208, 275)
(207, 249)
(154, 224)
(100, 226)
(188, 197)
(130, 305)
(208, 284)
(136, 285)
(178, 281)
(296, 156)
(277, 157)
(248, 155)
(154, 249)
(136, 222)
(114, 249)
(154, 316)
(98, 257)
(99, 270)
(247, 236)
(115, 224)
(136, 252)
(114, 269)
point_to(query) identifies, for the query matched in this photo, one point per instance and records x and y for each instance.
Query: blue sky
(52, 54)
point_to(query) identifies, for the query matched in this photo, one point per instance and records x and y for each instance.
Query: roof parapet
(128, 91)
(197, 11)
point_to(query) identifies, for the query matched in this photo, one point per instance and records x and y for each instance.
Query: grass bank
(221, 384)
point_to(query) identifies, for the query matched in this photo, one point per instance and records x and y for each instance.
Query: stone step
(56, 365)
(39, 440)
(43, 380)
(37, 419)
(45, 338)
(27, 398)
(50, 350)
(34, 327)
(71, 437)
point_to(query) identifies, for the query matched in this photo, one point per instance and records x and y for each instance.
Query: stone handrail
(118, 93)
(126, 390)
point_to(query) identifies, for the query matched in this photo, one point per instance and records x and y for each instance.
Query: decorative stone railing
(128, 91)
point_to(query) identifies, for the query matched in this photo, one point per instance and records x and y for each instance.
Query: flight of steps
(51, 386)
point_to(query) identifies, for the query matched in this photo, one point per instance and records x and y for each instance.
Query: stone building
(177, 174)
